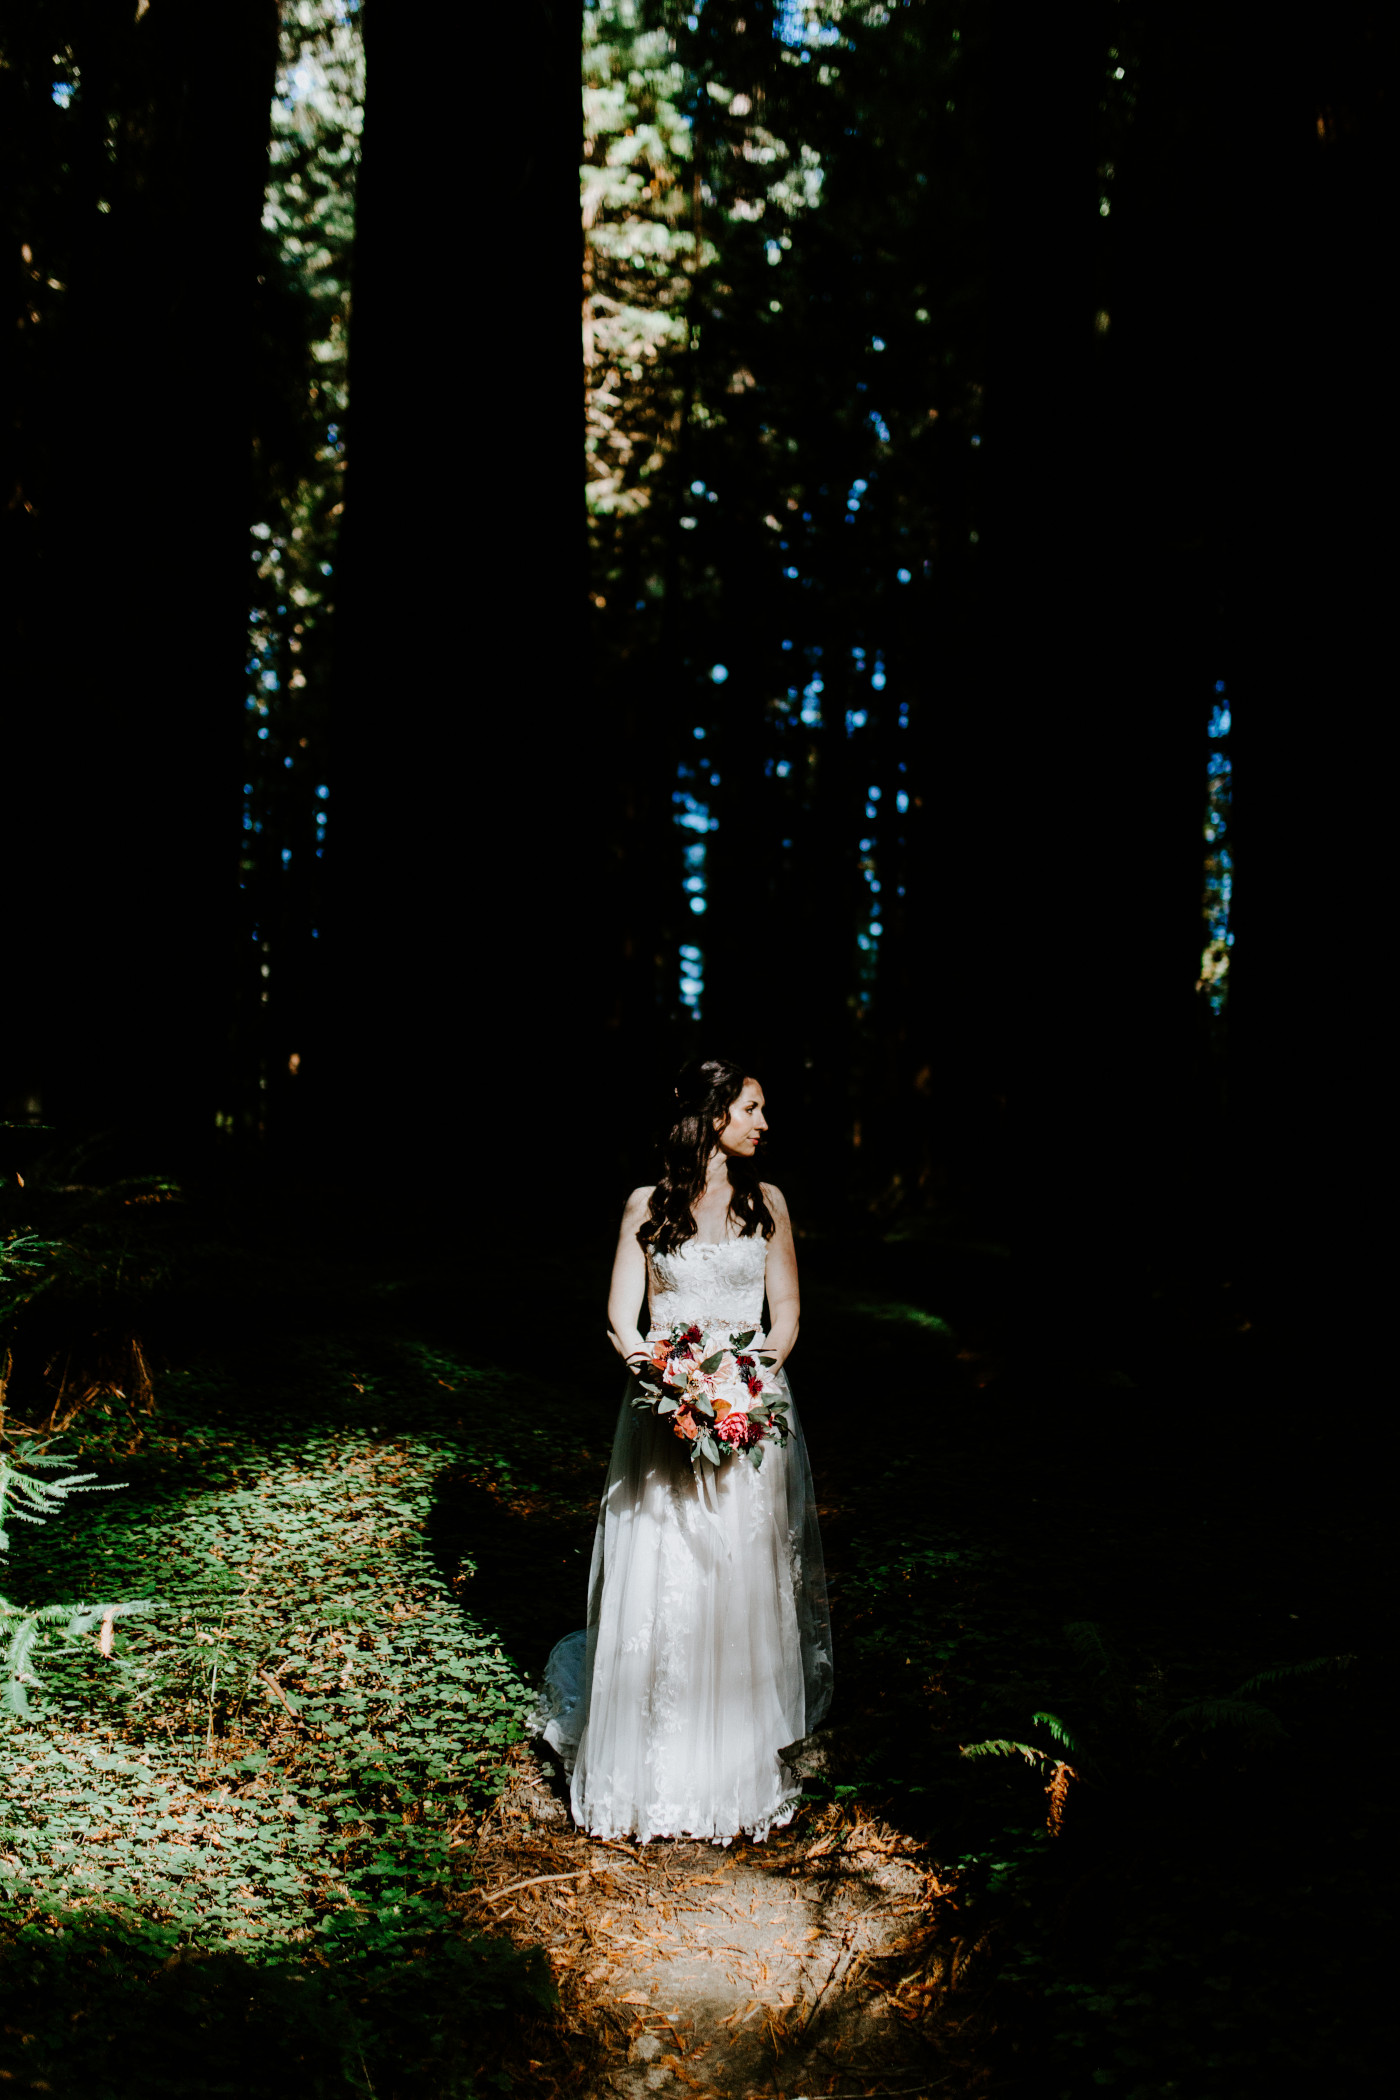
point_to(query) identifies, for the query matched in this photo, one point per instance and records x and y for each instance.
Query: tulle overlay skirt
(708, 1646)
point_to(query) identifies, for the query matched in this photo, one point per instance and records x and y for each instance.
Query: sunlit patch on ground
(783, 1967)
(297, 1737)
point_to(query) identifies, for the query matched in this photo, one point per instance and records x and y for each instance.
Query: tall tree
(464, 835)
(136, 150)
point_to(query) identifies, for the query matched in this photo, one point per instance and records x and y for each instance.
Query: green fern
(35, 1500)
(1092, 1651)
(1004, 1746)
(1277, 1671)
(998, 1746)
(1244, 1714)
(26, 1493)
(17, 1663)
(1061, 1734)
(24, 1257)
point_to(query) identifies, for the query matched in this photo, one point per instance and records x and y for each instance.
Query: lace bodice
(717, 1282)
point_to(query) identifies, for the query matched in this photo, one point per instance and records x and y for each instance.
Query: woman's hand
(631, 1348)
(775, 1347)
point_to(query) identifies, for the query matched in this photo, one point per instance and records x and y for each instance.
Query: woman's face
(740, 1135)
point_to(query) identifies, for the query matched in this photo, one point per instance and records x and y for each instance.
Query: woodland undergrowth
(237, 1851)
(272, 1780)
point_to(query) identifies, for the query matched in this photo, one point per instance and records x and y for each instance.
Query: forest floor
(748, 1969)
(290, 1839)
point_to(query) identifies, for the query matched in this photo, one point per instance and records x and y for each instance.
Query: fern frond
(83, 1617)
(1277, 1671)
(1058, 1792)
(998, 1746)
(39, 1455)
(1244, 1714)
(1091, 1649)
(1058, 1729)
(14, 1697)
(16, 1668)
(1087, 1640)
(25, 1494)
(39, 1614)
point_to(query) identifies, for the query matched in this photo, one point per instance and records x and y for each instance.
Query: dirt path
(796, 1967)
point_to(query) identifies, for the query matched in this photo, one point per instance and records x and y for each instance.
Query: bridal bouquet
(716, 1395)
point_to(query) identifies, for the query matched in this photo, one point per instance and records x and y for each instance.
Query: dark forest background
(1126, 425)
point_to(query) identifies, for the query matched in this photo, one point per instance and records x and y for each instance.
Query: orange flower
(685, 1424)
(722, 1408)
(659, 1353)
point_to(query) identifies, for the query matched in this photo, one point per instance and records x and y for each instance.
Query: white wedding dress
(708, 1646)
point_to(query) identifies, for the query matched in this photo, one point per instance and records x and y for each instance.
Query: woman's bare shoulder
(637, 1202)
(774, 1198)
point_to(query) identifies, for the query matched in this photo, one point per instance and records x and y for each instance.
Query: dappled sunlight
(823, 1953)
(295, 1734)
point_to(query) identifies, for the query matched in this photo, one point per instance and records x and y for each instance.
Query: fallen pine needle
(891, 2092)
(574, 1874)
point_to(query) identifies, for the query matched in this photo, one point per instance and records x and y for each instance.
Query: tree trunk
(465, 775)
(130, 613)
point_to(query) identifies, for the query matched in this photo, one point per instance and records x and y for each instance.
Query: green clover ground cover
(289, 1754)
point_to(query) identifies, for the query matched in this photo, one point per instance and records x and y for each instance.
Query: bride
(708, 1648)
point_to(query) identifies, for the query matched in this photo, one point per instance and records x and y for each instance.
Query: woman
(708, 1647)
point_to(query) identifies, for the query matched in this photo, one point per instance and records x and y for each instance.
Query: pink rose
(738, 1430)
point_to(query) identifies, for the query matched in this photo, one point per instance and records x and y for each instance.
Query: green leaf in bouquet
(710, 1448)
(701, 1403)
(741, 1341)
(769, 1360)
(668, 1406)
(712, 1363)
(755, 1455)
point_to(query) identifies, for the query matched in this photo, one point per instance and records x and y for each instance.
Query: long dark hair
(706, 1090)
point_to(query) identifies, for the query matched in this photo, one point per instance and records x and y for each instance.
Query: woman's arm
(629, 1281)
(780, 1280)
